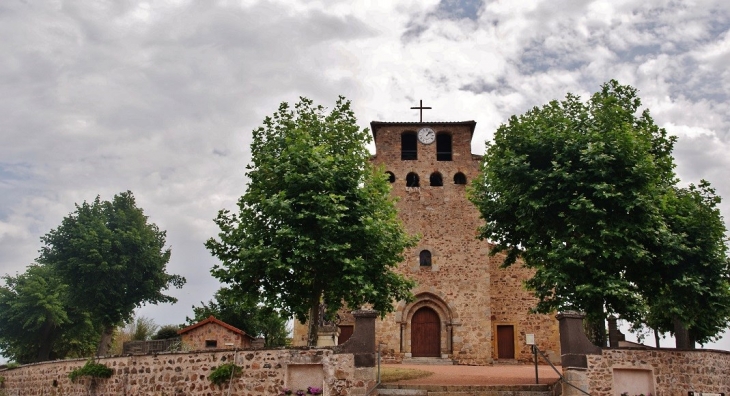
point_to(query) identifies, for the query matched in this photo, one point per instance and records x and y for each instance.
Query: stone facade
(265, 372)
(212, 333)
(466, 288)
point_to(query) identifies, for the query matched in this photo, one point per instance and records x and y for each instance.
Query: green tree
(254, 319)
(317, 223)
(36, 321)
(112, 259)
(688, 289)
(143, 328)
(166, 331)
(139, 328)
(32, 312)
(574, 189)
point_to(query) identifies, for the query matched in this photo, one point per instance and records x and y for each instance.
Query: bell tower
(429, 165)
(467, 309)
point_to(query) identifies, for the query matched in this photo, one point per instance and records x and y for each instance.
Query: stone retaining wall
(635, 371)
(673, 372)
(265, 372)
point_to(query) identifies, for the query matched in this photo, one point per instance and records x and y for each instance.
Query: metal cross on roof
(420, 108)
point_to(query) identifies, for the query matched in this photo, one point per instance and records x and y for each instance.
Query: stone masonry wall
(511, 304)
(265, 372)
(675, 372)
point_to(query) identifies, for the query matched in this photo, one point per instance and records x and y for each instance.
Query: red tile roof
(212, 319)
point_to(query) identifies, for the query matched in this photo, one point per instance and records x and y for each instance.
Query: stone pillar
(402, 336)
(327, 335)
(362, 341)
(579, 379)
(574, 348)
(574, 345)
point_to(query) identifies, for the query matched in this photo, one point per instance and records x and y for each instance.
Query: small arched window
(459, 178)
(412, 180)
(425, 258)
(391, 177)
(443, 146)
(436, 180)
(408, 146)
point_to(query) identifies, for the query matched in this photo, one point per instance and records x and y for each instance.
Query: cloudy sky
(160, 97)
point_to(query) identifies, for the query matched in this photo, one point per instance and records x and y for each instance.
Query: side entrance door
(425, 333)
(505, 342)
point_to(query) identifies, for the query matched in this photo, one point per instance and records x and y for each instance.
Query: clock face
(426, 135)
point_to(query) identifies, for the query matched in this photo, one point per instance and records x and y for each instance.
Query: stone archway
(429, 319)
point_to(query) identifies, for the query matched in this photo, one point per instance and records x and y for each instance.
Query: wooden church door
(425, 333)
(505, 342)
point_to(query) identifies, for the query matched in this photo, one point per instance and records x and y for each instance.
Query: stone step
(428, 360)
(402, 392)
(491, 393)
(466, 390)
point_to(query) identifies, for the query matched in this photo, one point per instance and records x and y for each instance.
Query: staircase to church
(464, 390)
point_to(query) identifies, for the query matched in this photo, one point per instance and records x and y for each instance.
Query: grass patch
(389, 373)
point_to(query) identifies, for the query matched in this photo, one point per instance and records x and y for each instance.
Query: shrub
(224, 372)
(91, 369)
(165, 332)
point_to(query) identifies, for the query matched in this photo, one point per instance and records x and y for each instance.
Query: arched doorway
(425, 333)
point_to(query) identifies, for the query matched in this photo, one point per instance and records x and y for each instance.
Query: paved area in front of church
(509, 374)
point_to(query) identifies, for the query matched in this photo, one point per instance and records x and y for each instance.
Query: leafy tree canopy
(688, 289)
(113, 260)
(317, 223)
(575, 188)
(166, 332)
(38, 323)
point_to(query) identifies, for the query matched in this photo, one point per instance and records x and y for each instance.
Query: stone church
(467, 310)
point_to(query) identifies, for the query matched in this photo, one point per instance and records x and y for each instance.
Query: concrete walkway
(512, 374)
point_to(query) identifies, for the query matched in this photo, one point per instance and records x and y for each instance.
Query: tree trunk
(681, 334)
(313, 320)
(596, 331)
(105, 342)
(44, 352)
(595, 323)
(656, 338)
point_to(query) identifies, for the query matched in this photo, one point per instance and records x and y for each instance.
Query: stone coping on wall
(651, 348)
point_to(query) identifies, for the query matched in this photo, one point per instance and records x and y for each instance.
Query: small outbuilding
(212, 333)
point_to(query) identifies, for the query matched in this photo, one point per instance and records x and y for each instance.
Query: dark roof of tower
(375, 125)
